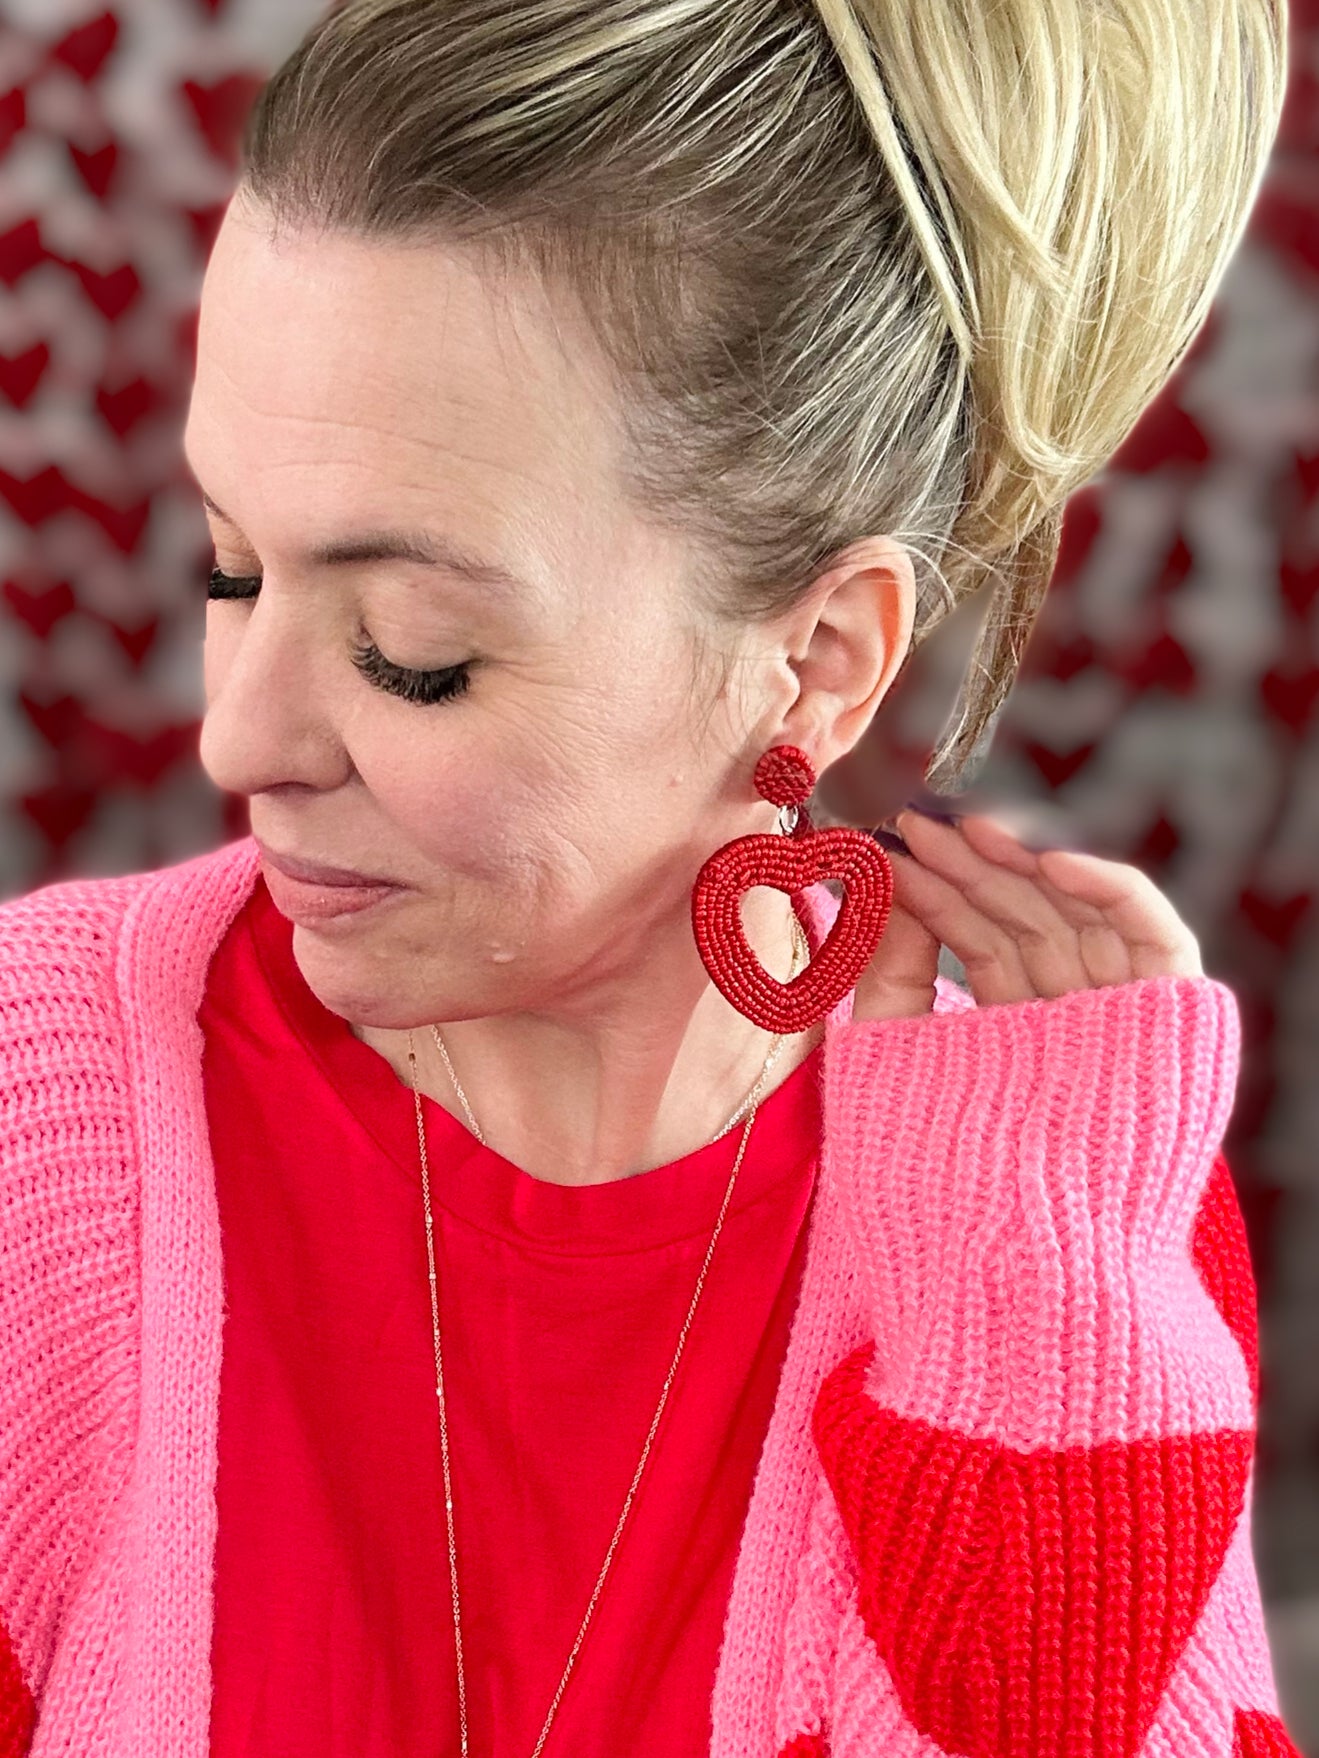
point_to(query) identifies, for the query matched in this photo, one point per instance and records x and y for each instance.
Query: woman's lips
(305, 902)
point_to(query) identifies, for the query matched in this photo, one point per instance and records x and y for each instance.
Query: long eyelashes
(421, 687)
(413, 686)
(222, 585)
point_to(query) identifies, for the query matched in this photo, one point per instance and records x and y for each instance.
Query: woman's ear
(846, 642)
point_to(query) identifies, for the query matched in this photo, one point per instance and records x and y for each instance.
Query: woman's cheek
(460, 817)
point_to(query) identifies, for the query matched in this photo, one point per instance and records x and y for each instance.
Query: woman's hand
(1026, 925)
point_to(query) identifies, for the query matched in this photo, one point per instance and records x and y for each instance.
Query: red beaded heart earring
(785, 776)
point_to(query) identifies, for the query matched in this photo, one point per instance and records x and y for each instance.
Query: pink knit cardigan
(1002, 1508)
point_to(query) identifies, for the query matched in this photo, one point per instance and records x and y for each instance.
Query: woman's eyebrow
(427, 548)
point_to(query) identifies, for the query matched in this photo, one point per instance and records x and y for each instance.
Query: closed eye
(421, 687)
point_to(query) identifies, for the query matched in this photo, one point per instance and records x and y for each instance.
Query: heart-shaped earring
(804, 856)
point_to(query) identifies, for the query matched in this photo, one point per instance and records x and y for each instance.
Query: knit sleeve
(68, 1276)
(1043, 1459)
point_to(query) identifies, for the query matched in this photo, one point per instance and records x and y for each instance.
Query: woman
(596, 400)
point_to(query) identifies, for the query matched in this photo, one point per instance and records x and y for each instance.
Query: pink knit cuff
(1025, 1179)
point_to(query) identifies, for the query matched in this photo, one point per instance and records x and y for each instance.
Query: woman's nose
(268, 717)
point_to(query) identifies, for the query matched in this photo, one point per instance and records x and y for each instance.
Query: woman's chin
(356, 990)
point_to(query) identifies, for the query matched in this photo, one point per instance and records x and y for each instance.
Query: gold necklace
(801, 951)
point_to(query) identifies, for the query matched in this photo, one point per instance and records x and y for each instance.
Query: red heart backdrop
(1170, 703)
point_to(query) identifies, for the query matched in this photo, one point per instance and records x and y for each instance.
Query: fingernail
(930, 806)
(890, 840)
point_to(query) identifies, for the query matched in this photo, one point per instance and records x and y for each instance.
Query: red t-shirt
(560, 1310)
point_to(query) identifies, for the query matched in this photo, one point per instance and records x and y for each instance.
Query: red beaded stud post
(785, 776)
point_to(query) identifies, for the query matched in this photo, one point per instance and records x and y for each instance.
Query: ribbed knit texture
(1003, 1503)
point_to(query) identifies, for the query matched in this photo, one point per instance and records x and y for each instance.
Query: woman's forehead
(329, 366)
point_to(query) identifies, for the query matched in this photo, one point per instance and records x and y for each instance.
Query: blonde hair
(862, 266)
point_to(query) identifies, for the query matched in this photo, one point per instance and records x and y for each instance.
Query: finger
(1004, 876)
(1016, 926)
(999, 839)
(1160, 943)
(1104, 955)
(1126, 926)
(898, 983)
(990, 956)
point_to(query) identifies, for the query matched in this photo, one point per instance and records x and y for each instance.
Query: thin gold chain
(800, 951)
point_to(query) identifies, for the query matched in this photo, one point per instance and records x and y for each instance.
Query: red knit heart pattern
(1221, 1253)
(1027, 1603)
(17, 1710)
(1257, 1734)
(805, 1746)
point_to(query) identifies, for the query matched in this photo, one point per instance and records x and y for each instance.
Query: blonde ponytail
(1077, 174)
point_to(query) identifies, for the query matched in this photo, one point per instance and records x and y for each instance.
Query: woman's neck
(612, 1094)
